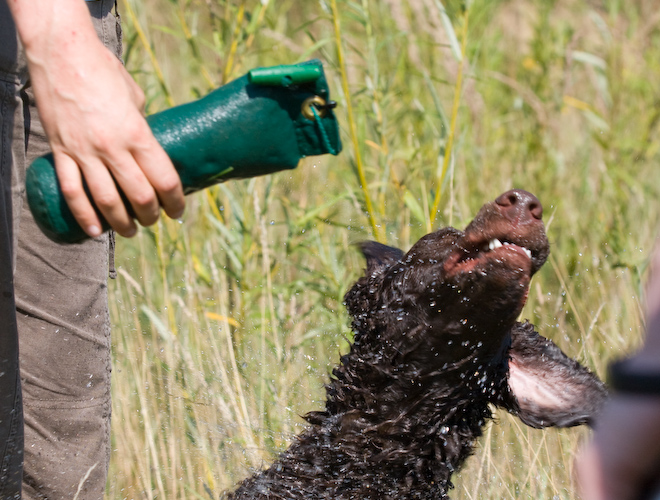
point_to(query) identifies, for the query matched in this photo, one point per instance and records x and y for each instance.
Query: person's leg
(61, 300)
(63, 322)
(11, 414)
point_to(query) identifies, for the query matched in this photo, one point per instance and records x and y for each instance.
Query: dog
(436, 343)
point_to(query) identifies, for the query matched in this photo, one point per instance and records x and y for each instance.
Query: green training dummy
(261, 123)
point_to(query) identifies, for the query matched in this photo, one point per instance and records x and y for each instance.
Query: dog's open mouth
(496, 243)
(489, 251)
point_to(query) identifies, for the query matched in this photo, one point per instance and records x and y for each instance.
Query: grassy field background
(226, 324)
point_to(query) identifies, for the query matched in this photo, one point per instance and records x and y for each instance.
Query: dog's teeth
(494, 243)
(529, 254)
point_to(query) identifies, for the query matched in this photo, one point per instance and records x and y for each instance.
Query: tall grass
(227, 324)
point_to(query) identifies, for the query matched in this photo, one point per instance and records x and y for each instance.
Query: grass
(227, 324)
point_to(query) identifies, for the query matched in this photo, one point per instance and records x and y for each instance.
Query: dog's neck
(399, 432)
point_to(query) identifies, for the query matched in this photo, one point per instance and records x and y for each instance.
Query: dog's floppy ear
(362, 296)
(379, 256)
(546, 387)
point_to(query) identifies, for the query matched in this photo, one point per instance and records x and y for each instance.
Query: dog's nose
(519, 205)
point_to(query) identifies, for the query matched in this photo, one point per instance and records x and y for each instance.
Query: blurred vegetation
(227, 323)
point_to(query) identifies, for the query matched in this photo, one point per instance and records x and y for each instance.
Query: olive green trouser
(60, 294)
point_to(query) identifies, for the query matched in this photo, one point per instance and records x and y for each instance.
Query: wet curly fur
(436, 343)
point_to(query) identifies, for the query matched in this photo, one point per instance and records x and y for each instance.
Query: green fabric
(249, 127)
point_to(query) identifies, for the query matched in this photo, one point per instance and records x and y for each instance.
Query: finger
(137, 188)
(104, 192)
(162, 175)
(76, 198)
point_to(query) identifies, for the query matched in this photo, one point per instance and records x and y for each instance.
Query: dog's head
(463, 289)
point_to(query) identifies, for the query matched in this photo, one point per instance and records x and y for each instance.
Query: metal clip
(317, 103)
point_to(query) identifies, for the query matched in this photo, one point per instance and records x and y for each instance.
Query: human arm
(91, 110)
(624, 455)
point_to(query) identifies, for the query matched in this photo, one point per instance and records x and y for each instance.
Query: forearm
(57, 37)
(625, 453)
(648, 358)
(43, 24)
(103, 144)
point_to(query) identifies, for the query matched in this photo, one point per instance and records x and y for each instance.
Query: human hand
(91, 110)
(623, 458)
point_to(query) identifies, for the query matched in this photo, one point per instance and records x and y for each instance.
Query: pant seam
(5, 148)
(55, 404)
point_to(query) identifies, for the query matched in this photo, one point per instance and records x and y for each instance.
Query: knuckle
(102, 141)
(138, 131)
(70, 189)
(107, 200)
(144, 199)
(169, 184)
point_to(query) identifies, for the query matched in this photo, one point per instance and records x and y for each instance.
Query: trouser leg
(11, 416)
(61, 299)
(65, 365)
(63, 323)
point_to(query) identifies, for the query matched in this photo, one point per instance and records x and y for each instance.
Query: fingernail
(131, 232)
(94, 231)
(179, 214)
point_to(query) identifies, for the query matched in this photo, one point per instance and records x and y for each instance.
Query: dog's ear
(362, 296)
(547, 388)
(379, 256)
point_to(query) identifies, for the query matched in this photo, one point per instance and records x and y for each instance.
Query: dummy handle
(261, 123)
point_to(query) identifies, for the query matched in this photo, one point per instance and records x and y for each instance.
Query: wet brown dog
(436, 342)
